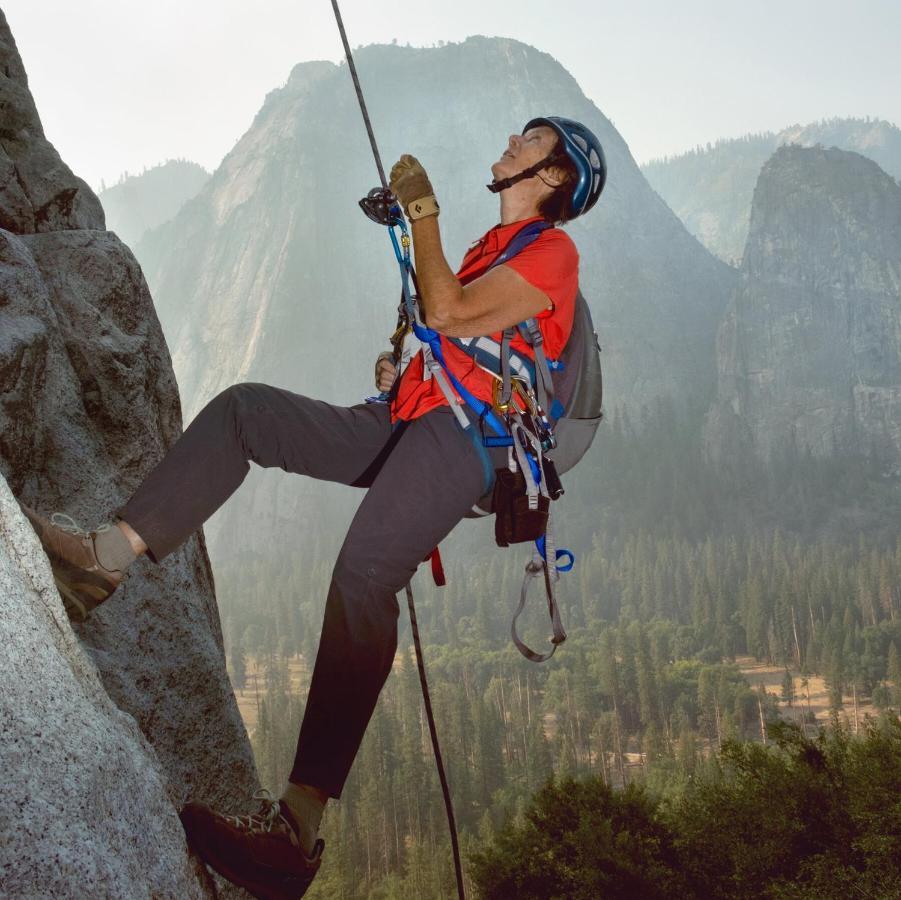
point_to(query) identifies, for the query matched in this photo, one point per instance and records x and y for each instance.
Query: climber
(423, 472)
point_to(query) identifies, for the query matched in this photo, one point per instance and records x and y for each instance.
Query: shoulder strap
(528, 234)
(529, 330)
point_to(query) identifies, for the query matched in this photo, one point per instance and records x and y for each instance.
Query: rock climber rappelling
(422, 468)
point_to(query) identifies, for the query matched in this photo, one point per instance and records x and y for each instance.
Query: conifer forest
(721, 721)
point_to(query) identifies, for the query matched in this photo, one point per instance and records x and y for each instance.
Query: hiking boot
(260, 852)
(82, 582)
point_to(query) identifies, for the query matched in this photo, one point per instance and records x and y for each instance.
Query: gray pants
(423, 477)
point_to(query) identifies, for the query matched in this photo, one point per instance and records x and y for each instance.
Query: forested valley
(689, 579)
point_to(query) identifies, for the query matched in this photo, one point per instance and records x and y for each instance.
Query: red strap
(437, 568)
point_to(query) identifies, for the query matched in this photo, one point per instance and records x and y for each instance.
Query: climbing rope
(359, 90)
(380, 206)
(420, 664)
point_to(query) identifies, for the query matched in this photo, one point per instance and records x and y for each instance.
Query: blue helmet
(586, 153)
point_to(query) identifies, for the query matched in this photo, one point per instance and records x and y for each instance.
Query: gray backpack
(579, 387)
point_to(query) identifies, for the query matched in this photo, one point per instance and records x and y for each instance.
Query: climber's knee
(364, 593)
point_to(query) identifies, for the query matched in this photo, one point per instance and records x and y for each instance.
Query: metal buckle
(519, 388)
(400, 333)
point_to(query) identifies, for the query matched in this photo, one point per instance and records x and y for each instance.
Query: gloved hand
(410, 184)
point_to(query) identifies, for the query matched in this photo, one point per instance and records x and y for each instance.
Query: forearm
(441, 292)
(496, 300)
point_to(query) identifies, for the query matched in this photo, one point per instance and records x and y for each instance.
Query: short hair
(553, 209)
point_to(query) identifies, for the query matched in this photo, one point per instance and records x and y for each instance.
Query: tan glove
(410, 184)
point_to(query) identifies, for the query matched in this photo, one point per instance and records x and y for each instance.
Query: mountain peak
(809, 353)
(305, 74)
(805, 193)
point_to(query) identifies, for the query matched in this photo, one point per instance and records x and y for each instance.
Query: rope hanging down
(420, 664)
(380, 207)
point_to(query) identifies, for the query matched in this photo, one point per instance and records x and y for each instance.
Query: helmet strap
(497, 186)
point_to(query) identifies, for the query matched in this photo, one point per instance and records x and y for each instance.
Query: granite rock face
(86, 809)
(38, 191)
(88, 404)
(809, 351)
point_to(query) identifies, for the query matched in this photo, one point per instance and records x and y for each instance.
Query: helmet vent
(594, 159)
(580, 142)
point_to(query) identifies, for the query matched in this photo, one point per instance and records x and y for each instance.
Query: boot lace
(68, 524)
(263, 820)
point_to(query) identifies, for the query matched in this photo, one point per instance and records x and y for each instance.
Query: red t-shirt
(551, 264)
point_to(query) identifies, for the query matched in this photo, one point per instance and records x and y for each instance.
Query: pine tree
(787, 694)
(893, 674)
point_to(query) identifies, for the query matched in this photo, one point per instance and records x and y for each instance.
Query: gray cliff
(710, 188)
(105, 730)
(87, 810)
(809, 352)
(141, 202)
(38, 191)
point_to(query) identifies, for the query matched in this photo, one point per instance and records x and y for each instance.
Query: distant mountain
(140, 202)
(710, 188)
(809, 353)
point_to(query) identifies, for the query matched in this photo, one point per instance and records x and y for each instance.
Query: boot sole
(80, 595)
(75, 609)
(277, 889)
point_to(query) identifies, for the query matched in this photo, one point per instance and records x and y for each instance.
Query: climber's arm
(499, 299)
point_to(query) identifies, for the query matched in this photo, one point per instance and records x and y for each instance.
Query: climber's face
(524, 150)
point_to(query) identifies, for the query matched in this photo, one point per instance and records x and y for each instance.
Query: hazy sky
(121, 84)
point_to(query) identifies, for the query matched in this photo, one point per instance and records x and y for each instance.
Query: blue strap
(480, 407)
(520, 241)
(536, 469)
(491, 361)
(562, 552)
